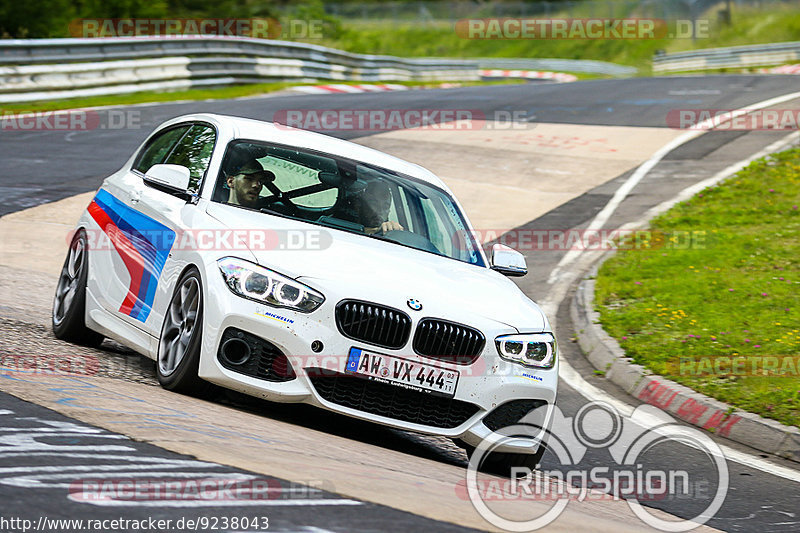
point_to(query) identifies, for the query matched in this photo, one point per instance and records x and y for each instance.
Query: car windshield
(345, 194)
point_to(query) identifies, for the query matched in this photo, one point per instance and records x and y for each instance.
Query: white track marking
(50, 480)
(114, 469)
(702, 127)
(559, 291)
(690, 191)
(222, 503)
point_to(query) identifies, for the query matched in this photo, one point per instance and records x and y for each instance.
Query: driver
(373, 207)
(246, 183)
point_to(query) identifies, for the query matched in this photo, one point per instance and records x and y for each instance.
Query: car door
(148, 220)
(113, 208)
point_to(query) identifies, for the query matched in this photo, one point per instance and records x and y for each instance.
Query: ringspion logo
(632, 444)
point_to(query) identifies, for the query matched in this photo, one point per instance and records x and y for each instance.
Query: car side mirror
(174, 177)
(508, 261)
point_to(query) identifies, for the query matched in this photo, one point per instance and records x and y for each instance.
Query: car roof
(258, 130)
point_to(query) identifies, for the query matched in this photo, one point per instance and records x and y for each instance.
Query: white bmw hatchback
(297, 267)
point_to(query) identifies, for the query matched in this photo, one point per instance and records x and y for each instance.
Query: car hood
(360, 267)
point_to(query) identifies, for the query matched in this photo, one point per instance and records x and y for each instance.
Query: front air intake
(251, 355)
(391, 401)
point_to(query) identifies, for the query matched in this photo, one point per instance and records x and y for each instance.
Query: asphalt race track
(40, 167)
(38, 470)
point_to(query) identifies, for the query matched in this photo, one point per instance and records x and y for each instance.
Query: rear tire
(181, 337)
(69, 304)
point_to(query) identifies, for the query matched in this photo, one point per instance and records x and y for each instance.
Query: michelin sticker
(266, 313)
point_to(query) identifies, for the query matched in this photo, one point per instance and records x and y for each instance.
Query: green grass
(238, 91)
(736, 291)
(148, 97)
(439, 39)
(749, 26)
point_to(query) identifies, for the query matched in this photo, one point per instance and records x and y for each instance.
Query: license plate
(402, 372)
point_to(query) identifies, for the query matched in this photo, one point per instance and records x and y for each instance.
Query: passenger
(246, 184)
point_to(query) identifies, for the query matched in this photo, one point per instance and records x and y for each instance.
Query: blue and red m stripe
(142, 243)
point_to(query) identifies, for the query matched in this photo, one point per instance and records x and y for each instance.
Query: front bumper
(485, 385)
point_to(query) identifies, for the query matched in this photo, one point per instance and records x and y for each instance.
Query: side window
(158, 148)
(193, 151)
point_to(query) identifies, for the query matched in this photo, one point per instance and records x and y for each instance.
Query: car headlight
(536, 350)
(263, 285)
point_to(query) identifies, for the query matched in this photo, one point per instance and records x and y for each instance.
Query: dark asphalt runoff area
(40, 167)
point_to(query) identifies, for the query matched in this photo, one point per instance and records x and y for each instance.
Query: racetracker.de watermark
(774, 366)
(70, 120)
(556, 240)
(401, 119)
(734, 119)
(580, 28)
(257, 28)
(188, 487)
(222, 240)
(66, 364)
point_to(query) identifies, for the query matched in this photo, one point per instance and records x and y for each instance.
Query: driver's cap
(254, 167)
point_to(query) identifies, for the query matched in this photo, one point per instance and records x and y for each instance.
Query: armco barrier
(732, 57)
(61, 68)
(58, 68)
(558, 65)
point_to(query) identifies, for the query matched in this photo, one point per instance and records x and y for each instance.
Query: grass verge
(221, 93)
(749, 25)
(733, 289)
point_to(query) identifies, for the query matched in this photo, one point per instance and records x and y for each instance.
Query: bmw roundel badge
(416, 305)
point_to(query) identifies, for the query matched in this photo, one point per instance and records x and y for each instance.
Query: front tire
(69, 304)
(501, 463)
(181, 337)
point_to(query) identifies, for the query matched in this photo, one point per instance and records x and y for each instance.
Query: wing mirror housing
(171, 179)
(175, 177)
(508, 261)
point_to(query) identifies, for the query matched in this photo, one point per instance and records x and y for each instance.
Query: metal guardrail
(40, 69)
(732, 57)
(559, 65)
(59, 68)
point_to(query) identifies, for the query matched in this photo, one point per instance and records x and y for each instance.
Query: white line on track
(563, 280)
(310, 502)
(702, 127)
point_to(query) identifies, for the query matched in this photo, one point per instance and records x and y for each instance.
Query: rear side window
(193, 151)
(158, 148)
